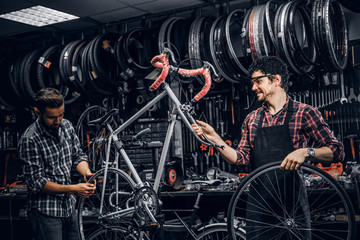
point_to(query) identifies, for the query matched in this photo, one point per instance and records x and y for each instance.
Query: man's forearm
(55, 188)
(323, 154)
(83, 168)
(80, 189)
(228, 153)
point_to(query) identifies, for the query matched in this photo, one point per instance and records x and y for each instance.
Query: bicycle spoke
(286, 208)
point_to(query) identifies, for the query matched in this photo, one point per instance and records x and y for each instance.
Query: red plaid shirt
(307, 129)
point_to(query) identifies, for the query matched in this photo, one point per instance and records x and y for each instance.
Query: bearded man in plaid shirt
(50, 153)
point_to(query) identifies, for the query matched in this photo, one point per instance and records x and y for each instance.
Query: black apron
(274, 144)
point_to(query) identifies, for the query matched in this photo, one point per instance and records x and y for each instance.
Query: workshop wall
(101, 69)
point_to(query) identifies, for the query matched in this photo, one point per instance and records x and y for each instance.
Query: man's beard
(51, 129)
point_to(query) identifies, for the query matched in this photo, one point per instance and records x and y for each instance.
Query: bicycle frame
(177, 110)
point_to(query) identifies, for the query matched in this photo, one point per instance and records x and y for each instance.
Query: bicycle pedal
(150, 226)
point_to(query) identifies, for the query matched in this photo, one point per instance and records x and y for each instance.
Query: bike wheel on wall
(309, 204)
(85, 132)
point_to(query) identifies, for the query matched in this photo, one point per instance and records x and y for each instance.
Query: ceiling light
(38, 16)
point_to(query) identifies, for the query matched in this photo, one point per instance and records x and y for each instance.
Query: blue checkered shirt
(48, 158)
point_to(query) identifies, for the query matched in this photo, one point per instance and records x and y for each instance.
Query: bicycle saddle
(104, 119)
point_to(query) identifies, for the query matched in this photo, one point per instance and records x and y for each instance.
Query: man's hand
(294, 159)
(204, 128)
(84, 189)
(88, 176)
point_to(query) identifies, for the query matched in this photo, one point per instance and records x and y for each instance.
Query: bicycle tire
(117, 181)
(218, 231)
(323, 213)
(13, 72)
(113, 233)
(28, 75)
(82, 128)
(6, 94)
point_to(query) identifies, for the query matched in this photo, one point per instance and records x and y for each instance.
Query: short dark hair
(48, 98)
(272, 65)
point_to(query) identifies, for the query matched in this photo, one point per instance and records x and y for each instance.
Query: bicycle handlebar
(162, 61)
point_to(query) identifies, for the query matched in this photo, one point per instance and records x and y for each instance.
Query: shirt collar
(285, 107)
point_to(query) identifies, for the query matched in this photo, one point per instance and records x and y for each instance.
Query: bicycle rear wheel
(118, 196)
(330, 214)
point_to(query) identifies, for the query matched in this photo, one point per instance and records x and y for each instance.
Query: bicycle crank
(146, 205)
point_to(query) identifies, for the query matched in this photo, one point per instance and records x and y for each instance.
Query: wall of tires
(309, 37)
(110, 66)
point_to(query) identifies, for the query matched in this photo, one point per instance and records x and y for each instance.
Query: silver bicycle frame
(113, 138)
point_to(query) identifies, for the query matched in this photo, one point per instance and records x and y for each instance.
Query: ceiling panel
(85, 8)
(9, 6)
(9, 27)
(136, 2)
(161, 6)
(94, 14)
(118, 14)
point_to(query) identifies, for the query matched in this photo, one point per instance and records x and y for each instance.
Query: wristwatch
(311, 153)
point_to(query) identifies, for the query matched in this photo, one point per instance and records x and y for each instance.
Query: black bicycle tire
(64, 57)
(8, 97)
(225, 51)
(214, 38)
(269, 18)
(305, 166)
(340, 64)
(124, 233)
(28, 65)
(277, 21)
(13, 71)
(65, 60)
(307, 60)
(210, 230)
(77, 73)
(163, 33)
(87, 73)
(140, 36)
(81, 209)
(315, 28)
(51, 55)
(230, 47)
(126, 73)
(106, 75)
(85, 114)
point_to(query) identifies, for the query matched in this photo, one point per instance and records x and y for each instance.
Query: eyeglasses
(256, 80)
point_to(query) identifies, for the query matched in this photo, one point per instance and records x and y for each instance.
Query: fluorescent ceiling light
(38, 16)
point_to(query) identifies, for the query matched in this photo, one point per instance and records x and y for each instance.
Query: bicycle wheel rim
(114, 233)
(218, 231)
(322, 202)
(89, 216)
(83, 130)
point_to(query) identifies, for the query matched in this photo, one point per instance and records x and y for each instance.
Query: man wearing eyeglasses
(280, 130)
